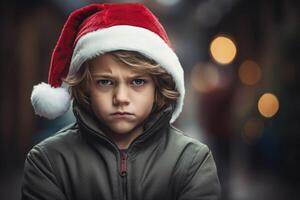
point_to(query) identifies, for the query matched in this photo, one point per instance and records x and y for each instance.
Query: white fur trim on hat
(132, 38)
(50, 102)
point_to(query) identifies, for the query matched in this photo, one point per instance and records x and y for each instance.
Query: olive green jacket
(81, 163)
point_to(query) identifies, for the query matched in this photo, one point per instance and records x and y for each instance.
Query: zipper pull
(124, 157)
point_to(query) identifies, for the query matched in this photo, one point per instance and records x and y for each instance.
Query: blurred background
(241, 62)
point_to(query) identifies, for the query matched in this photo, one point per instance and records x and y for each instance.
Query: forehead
(107, 64)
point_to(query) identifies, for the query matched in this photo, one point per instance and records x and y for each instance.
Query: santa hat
(94, 30)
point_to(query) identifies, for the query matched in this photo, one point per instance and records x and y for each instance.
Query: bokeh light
(204, 77)
(249, 72)
(223, 50)
(268, 105)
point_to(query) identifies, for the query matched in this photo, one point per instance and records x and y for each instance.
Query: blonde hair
(165, 90)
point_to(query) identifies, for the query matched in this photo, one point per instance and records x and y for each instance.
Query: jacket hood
(91, 125)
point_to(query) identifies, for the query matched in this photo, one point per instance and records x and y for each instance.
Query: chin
(122, 128)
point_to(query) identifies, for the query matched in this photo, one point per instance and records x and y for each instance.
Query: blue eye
(104, 82)
(138, 82)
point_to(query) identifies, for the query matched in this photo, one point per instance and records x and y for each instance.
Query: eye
(138, 82)
(104, 82)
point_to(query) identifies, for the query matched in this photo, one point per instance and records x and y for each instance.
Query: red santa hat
(94, 30)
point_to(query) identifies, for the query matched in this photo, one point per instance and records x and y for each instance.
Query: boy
(127, 88)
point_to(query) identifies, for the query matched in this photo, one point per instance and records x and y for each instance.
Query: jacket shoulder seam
(207, 155)
(44, 151)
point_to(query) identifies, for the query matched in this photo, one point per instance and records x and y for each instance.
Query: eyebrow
(110, 76)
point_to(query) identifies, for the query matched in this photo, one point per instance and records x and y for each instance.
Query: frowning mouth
(122, 113)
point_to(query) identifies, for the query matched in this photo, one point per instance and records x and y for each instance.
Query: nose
(121, 96)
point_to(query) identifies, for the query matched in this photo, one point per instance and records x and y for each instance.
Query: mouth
(122, 113)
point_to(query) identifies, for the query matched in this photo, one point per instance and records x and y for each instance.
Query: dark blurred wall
(29, 31)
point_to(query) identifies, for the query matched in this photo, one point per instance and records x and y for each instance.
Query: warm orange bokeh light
(223, 50)
(268, 105)
(249, 72)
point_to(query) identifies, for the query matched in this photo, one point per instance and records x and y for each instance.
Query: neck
(124, 140)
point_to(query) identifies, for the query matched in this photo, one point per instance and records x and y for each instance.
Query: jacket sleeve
(201, 181)
(39, 182)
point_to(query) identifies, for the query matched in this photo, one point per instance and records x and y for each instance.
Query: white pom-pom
(50, 102)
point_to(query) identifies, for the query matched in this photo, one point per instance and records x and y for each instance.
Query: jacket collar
(89, 124)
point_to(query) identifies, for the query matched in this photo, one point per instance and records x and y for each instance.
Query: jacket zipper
(123, 173)
(124, 156)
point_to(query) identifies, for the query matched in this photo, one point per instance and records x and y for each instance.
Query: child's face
(117, 88)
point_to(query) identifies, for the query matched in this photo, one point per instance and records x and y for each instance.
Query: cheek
(99, 102)
(146, 98)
